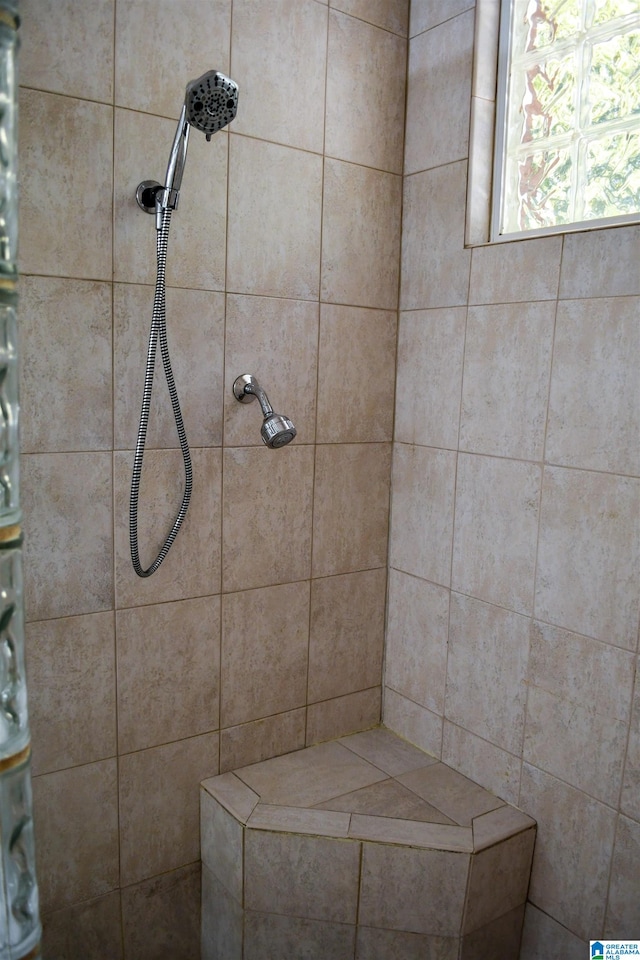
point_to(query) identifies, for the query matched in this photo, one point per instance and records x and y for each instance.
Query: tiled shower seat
(363, 848)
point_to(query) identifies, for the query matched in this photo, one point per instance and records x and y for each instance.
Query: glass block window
(568, 115)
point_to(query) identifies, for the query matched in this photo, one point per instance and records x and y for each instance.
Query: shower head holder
(277, 430)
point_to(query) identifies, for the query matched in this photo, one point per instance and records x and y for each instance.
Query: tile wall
(263, 629)
(514, 584)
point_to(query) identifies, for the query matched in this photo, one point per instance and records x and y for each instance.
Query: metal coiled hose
(158, 332)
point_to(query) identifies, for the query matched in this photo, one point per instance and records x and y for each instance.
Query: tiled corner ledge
(364, 848)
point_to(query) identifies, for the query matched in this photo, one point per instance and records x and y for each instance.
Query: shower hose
(158, 333)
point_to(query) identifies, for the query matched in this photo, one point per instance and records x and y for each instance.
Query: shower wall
(514, 590)
(263, 629)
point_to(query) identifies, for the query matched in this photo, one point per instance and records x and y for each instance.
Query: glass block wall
(19, 917)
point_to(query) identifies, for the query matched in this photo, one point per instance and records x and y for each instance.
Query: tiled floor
(364, 848)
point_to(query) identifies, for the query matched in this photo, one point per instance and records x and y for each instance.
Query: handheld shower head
(277, 430)
(211, 102)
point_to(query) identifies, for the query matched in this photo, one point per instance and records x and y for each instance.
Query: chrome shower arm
(254, 388)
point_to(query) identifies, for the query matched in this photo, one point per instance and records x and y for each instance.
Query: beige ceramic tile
(420, 891)
(482, 762)
(75, 410)
(276, 341)
(387, 750)
(439, 75)
(68, 553)
(500, 938)
(485, 53)
(388, 798)
(524, 271)
(499, 880)
(192, 567)
(426, 14)
(168, 672)
(341, 716)
(196, 254)
(429, 378)
(488, 650)
(392, 15)
(72, 691)
(267, 515)
(160, 786)
(409, 833)
(415, 723)
(365, 120)
(282, 83)
(481, 138)
(356, 372)
(275, 201)
(222, 921)
(154, 64)
(265, 641)
(269, 937)
(376, 944)
(573, 851)
(309, 776)
(595, 355)
(76, 830)
(57, 172)
(542, 935)
(507, 367)
(351, 507)
(261, 739)
(582, 670)
(497, 506)
(221, 844)
(195, 332)
(295, 875)
(234, 795)
(576, 742)
(630, 800)
(84, 34)
(90, 930)
(321, 823)
(500, 824)
(622, 909)
(588, 577)
(360, 236)
(458, 797)
(160, 913)
(601, 263)
(417, 630)
(346, 635)
(422, 512)
(434, 266)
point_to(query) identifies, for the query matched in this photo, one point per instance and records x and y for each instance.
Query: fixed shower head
(211, 102)
(277, 430)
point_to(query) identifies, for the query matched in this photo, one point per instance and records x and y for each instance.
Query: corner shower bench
(363, 848)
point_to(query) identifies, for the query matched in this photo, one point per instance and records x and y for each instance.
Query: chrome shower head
(211, 102)
(277, 430)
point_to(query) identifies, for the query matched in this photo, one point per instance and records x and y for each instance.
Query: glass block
(19, 923)
(8, 153)
(545, 101)
(9, 413)
(613, 182)
(614, 81)
(539, 23)
(14, 723)
(606, 10)
(543, 193)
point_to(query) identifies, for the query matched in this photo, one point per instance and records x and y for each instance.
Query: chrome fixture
(276, 430)
(210, 103)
